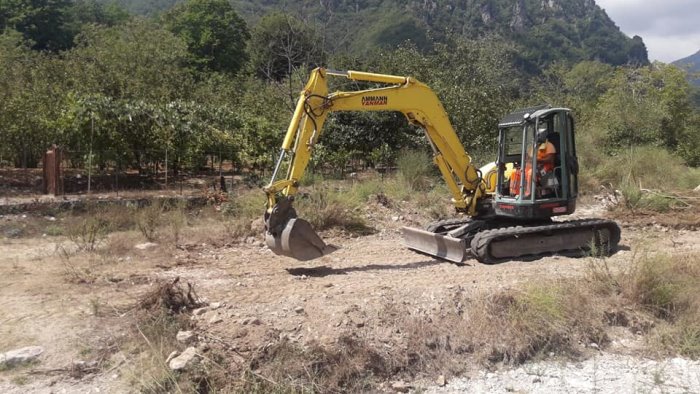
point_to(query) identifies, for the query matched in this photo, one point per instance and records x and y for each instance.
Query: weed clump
(88, 232)
(662, 286)
(325, 208)
(539, 320)
(349, 366)
(149, 219)
(172, 297)
(415, 169)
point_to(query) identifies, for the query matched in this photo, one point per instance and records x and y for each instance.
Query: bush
(149, 219)
(663, 286)
(87, 232)
(327, 208)
(646, 167)
(415, 169)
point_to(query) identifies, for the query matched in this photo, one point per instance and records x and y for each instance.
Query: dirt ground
(76, 307)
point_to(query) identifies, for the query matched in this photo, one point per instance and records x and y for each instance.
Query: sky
(670, 28)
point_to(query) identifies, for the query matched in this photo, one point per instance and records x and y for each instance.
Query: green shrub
(53, 230)
(149, 219)
(326, 208)
(415, 169)
(87, 232)
(646, 167)
(247, 205)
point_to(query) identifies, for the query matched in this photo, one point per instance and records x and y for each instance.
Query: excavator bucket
(436, 245)
(290, 236)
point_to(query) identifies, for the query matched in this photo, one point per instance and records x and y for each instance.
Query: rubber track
(481, 242)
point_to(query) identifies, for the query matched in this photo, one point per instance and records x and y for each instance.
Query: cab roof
(516, 117)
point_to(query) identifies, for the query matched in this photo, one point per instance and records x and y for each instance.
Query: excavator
(504, 209)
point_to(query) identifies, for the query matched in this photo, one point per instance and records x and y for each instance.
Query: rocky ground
(76, 305)
(602, 373)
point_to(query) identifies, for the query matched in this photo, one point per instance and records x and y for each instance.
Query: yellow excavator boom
(286, 234)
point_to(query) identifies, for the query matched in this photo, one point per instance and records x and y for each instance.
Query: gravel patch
(606, 373)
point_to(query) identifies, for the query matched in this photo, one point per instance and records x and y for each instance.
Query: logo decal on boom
(375, 100)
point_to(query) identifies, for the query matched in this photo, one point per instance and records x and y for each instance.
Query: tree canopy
(214, 34)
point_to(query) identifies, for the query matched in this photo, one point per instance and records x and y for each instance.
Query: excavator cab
(544, 184)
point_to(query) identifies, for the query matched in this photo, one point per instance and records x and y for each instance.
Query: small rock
(172, 355)
(215, 319)
(20, 356)
(200, 311)
(255, 321)
(299, 309)
(441, 380)
(185, 359)
(146, 245)
(697, 189)
(185, 336)
(401, 387)
(594, 345)
(215, 305)
(394, 218)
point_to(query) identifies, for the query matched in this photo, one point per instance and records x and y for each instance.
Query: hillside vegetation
(544, 31)
(123, 92)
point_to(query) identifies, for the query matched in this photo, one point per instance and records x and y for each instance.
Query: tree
(31, 99)
(215, 35)
(648, 105)
(280, 44)
(43, 22)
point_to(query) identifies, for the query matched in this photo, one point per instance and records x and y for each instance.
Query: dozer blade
(440, 246)
(299, 241)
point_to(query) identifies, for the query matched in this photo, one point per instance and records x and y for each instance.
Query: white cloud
(670, 28)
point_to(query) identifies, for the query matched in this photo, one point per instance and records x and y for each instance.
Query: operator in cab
(546, 154)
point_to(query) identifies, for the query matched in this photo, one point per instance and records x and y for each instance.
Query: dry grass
(159, 315)
(325, 208)
(351, 365)
(662, 288)
(653, 295)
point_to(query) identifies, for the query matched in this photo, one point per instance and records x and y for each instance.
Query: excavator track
(579, 237)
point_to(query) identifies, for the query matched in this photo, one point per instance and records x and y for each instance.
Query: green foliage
(281, 43)
(327, 208)
(415, 169)
(87, 232)
(43, 22)
(149, 219)
(125, 90)
(214, 33)
(645, 106)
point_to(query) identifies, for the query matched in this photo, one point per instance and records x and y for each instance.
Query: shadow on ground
(325, 270)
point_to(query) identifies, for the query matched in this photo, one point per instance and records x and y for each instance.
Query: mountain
(545, 31)
(692, 64)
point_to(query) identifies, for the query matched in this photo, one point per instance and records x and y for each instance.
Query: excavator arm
(294, 237)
